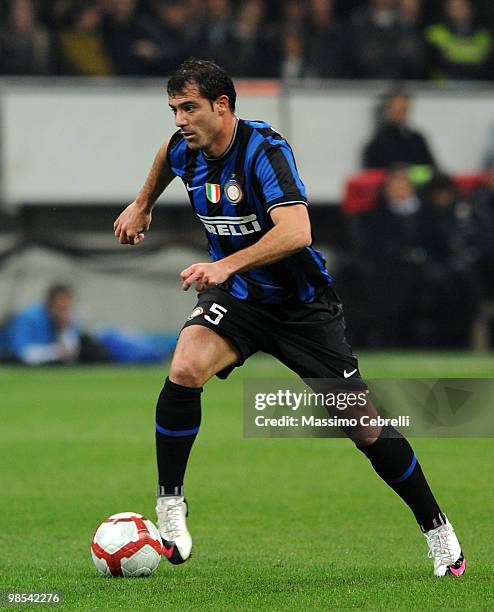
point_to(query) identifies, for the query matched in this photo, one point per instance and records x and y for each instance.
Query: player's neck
(224, 139)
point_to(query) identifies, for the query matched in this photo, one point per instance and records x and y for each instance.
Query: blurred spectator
(390, 250)
(131, 40)
(293, 16)
(325, 42)
(453, 287)
(217, 36)
(419, 270)
(483, 212)
(56, 14)
(257, 45)
(453, 214)
(383, 39)
(395, 142)
(374, 41)
(25, 46)
(411, 49)
(197, 11)
(292, 37)
(46, 333)
(178, 34)
(292, 60)
(81, 47)
(458, 47)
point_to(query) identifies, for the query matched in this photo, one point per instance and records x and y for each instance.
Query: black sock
(178, 416)
(394, 460)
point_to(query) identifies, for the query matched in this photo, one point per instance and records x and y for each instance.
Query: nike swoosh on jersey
(193, 188)
(348, 374)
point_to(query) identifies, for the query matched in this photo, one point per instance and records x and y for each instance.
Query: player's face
(198, 118)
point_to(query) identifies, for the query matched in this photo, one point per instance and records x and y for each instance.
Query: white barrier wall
(82, 143)
(63, 144)
(132, 291)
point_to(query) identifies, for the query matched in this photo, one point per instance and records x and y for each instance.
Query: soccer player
(266, 289)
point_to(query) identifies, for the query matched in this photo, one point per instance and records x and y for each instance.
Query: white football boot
(177, 542)
(445, 551)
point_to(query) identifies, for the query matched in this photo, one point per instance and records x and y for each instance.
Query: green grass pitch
(277, 524)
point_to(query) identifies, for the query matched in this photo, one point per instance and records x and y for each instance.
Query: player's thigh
(313, 344)
(200, 353)
(311, 341)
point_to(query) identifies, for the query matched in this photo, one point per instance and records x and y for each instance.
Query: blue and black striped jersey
(233, 194)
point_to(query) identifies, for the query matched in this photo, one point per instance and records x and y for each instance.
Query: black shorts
(308, 338)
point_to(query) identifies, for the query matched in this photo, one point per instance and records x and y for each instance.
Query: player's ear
(222, 104)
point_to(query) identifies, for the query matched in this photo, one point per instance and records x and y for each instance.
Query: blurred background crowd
(366, 39)
(423, 240)
(411, 242)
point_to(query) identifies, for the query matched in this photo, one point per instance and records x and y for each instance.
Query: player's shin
(178, 417)
(393, 459)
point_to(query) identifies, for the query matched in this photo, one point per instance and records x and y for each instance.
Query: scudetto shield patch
(213, 192)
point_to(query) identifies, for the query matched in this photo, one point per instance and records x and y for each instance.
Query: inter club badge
(233, 192)
(213, 192)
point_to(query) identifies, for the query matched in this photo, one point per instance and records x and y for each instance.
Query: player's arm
(291, 233)
(131, 224)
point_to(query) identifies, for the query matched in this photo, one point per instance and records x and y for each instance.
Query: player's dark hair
(211, 80)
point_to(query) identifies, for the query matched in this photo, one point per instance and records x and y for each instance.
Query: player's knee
(187, 374)
(362, 442)
(363, 436)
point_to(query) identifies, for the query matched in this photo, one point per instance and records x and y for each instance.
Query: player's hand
(131, 224)
(204, 275)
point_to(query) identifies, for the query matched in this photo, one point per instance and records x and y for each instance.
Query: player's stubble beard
(201, 143)
(204, 139)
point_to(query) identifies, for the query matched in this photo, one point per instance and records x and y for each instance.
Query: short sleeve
(277, 176)
(176, 153)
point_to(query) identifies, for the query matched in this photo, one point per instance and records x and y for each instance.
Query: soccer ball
(126, 544)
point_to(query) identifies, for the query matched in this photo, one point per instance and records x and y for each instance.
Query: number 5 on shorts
(218, 310)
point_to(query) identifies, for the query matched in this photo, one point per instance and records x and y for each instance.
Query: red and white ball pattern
(126, 544)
